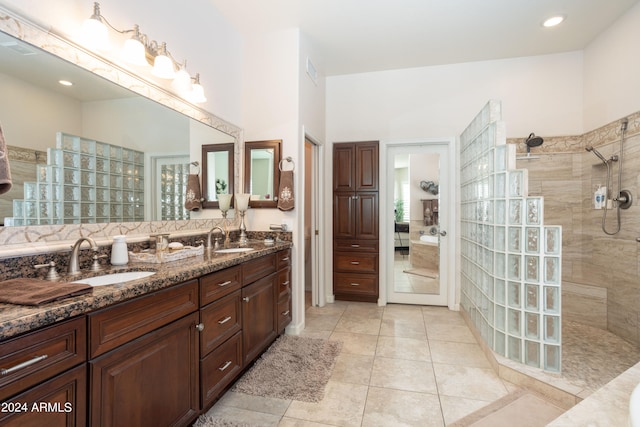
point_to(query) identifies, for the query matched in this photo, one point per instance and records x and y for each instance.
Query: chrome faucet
(74, 267)
(226, 238)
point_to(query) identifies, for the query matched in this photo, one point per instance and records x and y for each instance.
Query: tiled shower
(511, 260)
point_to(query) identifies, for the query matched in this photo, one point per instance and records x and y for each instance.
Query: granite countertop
(17, 319)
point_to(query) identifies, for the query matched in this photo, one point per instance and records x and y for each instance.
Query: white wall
(612, 72)
(194, 30)
(541, 94)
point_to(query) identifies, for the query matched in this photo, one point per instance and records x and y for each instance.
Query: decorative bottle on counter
(119, 251)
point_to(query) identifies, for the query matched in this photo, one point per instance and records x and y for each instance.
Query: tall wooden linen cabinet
(355, 221)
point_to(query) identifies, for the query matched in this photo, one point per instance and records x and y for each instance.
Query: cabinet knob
(200, 327)
(245, 299)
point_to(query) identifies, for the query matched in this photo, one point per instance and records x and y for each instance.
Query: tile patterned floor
(400, 366)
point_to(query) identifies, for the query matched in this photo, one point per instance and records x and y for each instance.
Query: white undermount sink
(233, 250)
(111, 279)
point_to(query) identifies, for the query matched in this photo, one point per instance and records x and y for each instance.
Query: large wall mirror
(261, 173)
(35, 109)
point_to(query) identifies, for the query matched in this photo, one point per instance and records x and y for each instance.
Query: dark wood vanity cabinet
(355, 221)
(159, 359)
(144, 354)
(45, 367)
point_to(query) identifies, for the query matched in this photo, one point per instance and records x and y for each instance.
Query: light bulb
(163, 65)
(94, 33)
(134, 53)
(182, 82)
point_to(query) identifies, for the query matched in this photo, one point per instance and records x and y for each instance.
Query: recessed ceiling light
(553, 21)
(65, 82)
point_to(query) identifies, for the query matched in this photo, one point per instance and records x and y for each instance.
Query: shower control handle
(443, 233)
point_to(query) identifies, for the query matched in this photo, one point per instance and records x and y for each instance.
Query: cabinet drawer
(114, 326)
(219, 368)
(356, 262)
(284, 282)
(219, 284)
(355, 284)
(37, 356)
(221, 320)
(284, 312)
(64, 395)
(258, 268)
(283, 259)
(355, 245)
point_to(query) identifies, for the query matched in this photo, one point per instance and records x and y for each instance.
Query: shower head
(533, 140)
(596, 152)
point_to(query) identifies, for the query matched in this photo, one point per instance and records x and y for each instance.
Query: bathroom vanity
(154, 351)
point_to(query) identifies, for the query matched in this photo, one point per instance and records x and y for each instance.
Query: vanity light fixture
(140, 51)
(553, 21)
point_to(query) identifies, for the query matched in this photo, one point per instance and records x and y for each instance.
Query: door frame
(450, 218)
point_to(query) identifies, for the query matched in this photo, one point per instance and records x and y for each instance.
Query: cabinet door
(366, 214)
(64, 398)
(344, 216)
(258, 317)
(366, 170)
(151, 381)
(344, 165)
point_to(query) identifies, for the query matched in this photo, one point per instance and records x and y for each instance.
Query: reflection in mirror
(261, 175)
(34, 108)
(217, 172)
(416, 237)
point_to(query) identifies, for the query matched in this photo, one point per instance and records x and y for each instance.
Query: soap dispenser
(119, 251)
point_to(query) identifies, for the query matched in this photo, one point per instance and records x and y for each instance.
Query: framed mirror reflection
(217, 173)
(261, 173)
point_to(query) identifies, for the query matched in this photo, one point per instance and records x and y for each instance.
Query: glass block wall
(510, 259)
(173, 182)
(84, 181)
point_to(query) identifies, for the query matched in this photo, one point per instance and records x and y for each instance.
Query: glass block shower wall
(173, 182)
(510, 259)
(84, 181)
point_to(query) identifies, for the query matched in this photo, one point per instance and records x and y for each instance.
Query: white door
(420, 193)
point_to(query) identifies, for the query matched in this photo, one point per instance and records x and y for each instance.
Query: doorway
(419, 193)
(313, 274)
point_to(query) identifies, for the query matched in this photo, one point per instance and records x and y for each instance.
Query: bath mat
(210, 421)
(294, 368)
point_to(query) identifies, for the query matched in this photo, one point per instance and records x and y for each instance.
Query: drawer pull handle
(285, 283)
(355, 262)
(286, 313)
(228, 282)
(355, 284)
(200, 327)
(225, 366)
(225, 320)
(245, 299)
(353, 245)
(23, 365)
(285, 259)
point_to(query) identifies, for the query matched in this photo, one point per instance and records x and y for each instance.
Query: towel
(193, 200)
(36, 292)
(286, 200)
(5, 170)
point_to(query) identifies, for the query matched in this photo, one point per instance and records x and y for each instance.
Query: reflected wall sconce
(139, 50)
